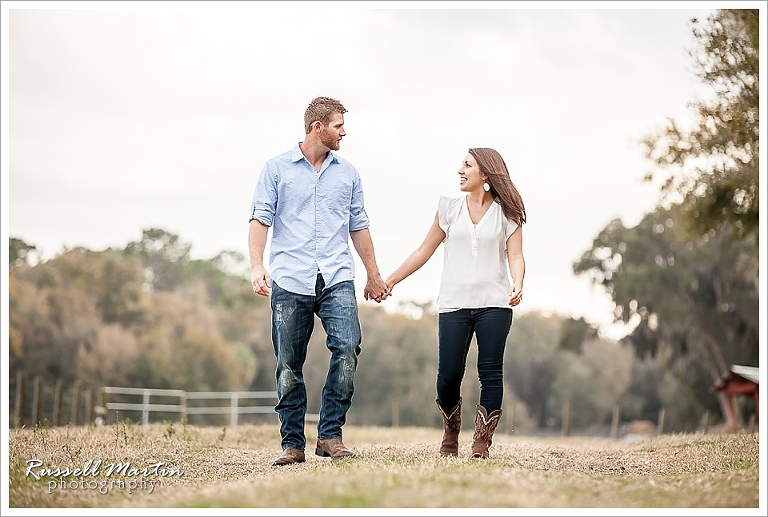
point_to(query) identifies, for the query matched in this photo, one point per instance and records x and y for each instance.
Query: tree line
(149, 316)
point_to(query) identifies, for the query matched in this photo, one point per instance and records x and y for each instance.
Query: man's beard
(329, 141)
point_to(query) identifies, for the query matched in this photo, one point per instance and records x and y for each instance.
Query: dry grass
(394, 468)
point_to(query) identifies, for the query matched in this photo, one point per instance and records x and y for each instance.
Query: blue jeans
(455, 331)
(292, 324)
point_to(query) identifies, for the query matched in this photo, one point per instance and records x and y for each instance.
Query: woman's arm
(420, 255)
(516, 265)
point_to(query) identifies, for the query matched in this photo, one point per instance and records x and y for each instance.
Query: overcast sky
(126, 116)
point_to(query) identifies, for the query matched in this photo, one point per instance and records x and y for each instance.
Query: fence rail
(38, 403)
(230, 402)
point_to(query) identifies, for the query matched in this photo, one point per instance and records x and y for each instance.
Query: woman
(483, 244)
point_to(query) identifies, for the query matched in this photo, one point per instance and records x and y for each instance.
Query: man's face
(332, 134)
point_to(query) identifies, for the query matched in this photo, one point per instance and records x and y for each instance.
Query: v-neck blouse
(475, 270)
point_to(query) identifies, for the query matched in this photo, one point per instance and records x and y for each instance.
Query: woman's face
(470, 177)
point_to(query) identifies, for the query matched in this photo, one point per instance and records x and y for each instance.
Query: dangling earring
(486, 187)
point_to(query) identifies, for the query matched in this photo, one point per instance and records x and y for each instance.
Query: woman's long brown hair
(503, 189)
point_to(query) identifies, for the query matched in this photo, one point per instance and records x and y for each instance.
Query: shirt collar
(297, 155)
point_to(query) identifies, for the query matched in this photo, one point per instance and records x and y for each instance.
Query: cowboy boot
(451, 427)
(485, 425)
(333, 448)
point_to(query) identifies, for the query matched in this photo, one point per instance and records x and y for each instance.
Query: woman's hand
(515, 295)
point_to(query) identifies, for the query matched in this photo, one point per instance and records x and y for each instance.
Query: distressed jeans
(292, 325)
(455, 331)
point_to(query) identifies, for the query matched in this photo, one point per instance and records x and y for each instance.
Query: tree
(395, 379)
(181, 347)
(164, 256)
(593, 381)
(714, 164)
(92, 316)
(691, 298)
(533, 362)
(574, 333)
(18, 252)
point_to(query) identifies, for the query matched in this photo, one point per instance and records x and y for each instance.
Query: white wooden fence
(230, 403)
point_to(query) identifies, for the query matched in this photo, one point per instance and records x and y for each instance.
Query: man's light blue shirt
(311, 214)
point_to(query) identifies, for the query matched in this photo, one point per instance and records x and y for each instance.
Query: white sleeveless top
(475, 270)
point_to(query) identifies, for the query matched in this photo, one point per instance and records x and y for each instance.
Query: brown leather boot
(289, 456)
(451, 428)
(485, 425)
(333, 448)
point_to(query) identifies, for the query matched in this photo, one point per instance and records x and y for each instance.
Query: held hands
(388, 285)
(515, 295)
(260, 281)
(376, 289)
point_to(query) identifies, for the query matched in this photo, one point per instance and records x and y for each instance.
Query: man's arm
(375, 287)
(257, 241)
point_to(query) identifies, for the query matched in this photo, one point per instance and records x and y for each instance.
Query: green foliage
(396, 371)
(593, 382)
(98, 317)
(680, 395)
(18, 252)
(714, 164)
(641, 400)
(533, 363)
(164, 257)
(170, 430)
(574, 333)
(691, 298)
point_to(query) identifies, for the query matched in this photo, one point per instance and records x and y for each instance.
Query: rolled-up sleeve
(358, 218)
(264, 198)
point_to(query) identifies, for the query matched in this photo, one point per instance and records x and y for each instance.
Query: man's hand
(376, 289)
(260, 281)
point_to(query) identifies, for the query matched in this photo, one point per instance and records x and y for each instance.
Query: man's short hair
(322, 109)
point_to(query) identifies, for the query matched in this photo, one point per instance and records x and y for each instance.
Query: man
(313, 201)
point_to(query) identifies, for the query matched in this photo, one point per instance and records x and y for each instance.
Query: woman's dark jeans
(455, 330)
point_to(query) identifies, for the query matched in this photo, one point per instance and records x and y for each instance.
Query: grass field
(180, 466)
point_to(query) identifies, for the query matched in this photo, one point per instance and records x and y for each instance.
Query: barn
(741, 381)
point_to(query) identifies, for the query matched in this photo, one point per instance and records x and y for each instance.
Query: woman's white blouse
(475, 270)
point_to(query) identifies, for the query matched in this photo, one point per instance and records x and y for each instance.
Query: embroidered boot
(451, 428)
(485, 425)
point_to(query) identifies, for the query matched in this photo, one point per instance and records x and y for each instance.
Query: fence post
(103, 403)
(660, 425)
(567, 419)
(396, 413)
(56, 421)
(90, 400)
(145, 408)
(706, 422)
(76, 403)
(21, 398)
(615, 422)
(233, 408)
(37, 401)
